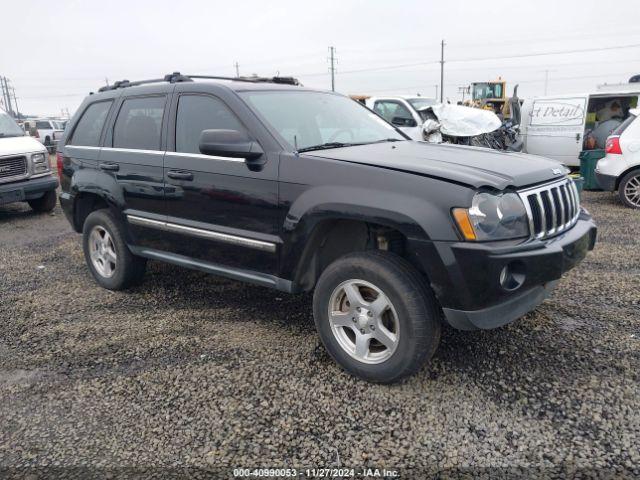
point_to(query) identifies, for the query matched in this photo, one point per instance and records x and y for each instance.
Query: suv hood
(20, 146)
(473, 166)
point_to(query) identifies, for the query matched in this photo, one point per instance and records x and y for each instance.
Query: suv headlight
(493, 217)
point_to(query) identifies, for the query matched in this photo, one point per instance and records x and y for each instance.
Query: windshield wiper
(389, 140)
(11, 134)
(326, 146)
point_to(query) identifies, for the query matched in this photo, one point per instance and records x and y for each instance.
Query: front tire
(629, 189)
(45, 203)
(110, 261)
(376, 316)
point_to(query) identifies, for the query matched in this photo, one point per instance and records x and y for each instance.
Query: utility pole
(441, 70)
(7, 96)
(237, 69)
(106, 81)
(332, 67)
(4, 96)
(15, 101)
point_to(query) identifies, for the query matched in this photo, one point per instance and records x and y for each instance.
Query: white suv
(620, 168)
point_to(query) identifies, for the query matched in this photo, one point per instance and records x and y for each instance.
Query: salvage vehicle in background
(561, 126)
(25, 174)
(620, 168)
(304, 190)
(402, 111)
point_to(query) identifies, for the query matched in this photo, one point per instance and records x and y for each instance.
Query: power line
(481, 59)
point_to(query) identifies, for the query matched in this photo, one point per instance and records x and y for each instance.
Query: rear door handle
(112, 167)
(180, 175)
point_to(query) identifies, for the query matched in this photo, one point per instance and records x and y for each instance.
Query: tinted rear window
(87, 132)
(139, 123)
(43, 125)
(623, 126)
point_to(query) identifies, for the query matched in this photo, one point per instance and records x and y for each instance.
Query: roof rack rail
(253, 79)
(171, 78)
(178, 77)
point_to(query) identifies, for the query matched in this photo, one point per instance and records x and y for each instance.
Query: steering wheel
(338, 133)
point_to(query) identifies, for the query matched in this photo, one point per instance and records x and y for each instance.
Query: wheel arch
(333, 230)
(625, 173)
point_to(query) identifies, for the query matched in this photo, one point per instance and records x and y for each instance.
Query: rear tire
(376, 316)
(629, 189)
(110, 261)
(45, 203)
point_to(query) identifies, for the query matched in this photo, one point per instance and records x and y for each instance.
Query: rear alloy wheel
(629, 189)
(102, 251)
(376, 316)
(111, 262)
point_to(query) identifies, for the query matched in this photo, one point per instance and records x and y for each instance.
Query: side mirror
(229, 143)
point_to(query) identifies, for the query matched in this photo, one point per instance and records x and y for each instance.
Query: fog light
(512, 276)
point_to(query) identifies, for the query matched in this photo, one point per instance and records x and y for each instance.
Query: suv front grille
(13, 167)
(552, 208)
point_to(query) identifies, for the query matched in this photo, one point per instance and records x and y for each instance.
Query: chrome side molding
(202, 233)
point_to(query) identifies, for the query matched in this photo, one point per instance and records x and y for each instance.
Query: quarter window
(139, 123)
(87, 132)
(197, 113)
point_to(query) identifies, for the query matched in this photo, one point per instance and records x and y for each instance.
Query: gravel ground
(192, 372)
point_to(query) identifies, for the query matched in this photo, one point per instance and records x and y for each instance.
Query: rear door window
(87, 132)
(623, 126)
(197, 113)
(139, 123)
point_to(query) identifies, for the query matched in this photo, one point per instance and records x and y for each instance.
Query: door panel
(139, 182)
(135, 160)
(224, 196)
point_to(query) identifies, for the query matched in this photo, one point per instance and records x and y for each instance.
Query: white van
(559, 126)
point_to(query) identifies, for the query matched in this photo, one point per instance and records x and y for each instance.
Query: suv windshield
(306, 120)
(8, 127)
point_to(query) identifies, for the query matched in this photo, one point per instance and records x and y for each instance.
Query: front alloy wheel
(364, 321)
(376, 315)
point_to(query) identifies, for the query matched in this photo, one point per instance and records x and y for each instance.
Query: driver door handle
(178, 175)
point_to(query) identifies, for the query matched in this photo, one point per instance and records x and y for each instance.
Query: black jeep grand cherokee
(297, 189)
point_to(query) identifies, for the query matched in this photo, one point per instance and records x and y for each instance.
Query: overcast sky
(54, 53)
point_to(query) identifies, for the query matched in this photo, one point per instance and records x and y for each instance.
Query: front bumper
(29, 189)
(465, 276)
(606, 182)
